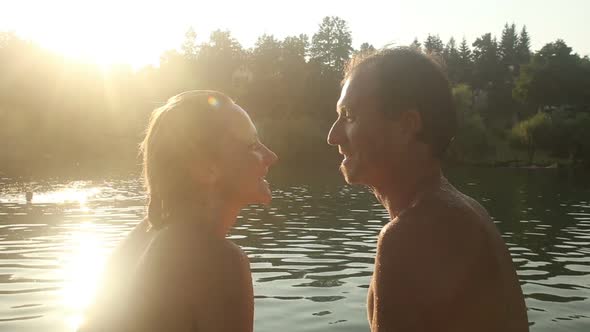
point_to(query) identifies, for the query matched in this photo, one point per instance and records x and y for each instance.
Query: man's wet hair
(408, 79)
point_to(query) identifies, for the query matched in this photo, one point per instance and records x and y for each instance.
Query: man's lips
(343, 153)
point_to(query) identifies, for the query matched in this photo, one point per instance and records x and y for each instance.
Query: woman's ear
(205, 173)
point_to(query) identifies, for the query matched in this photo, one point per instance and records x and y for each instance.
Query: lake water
(311, 251)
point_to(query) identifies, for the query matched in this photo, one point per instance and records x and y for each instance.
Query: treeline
(55, 112)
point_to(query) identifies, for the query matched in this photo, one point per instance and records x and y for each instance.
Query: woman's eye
(254, 146)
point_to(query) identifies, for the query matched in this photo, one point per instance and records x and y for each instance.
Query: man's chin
(349, 174)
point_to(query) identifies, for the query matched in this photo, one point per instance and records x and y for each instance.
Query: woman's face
(244, 160)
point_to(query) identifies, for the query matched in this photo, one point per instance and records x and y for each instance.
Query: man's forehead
(344, 94)
(357, 88)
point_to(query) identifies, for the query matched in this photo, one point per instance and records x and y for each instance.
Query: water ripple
(311, 252)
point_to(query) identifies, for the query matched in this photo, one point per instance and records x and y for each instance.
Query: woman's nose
(270, 157)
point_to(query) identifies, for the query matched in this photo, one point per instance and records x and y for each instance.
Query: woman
(176, 271)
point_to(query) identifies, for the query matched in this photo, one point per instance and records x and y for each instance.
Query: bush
(532, 133)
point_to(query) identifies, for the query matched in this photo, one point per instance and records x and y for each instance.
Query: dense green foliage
(57, 112)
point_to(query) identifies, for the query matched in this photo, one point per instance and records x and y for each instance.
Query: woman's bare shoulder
(185, 251)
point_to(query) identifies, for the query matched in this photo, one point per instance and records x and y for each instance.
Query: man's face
(367, 138)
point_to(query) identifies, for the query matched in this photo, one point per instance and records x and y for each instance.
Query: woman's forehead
(240, 125)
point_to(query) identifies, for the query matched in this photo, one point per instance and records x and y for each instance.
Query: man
(441, 264)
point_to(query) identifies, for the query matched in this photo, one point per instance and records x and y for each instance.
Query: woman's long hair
(180, 133)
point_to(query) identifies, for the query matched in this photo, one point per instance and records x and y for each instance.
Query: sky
(137, 32)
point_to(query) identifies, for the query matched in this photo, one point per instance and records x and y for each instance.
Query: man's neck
(404, 191)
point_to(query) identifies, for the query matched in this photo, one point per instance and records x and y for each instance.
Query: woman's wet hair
(180, 133)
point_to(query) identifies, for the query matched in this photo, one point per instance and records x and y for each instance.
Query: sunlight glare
(104, 33)
(81, 272)
(75, 192)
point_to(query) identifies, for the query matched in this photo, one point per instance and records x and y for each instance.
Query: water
(311, 252)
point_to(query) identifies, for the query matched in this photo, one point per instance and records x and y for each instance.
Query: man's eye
(347, 116)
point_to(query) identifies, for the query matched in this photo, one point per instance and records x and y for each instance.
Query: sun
(104, 32)
(96, 43)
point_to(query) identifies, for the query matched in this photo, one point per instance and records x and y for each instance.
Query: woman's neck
(216, 217)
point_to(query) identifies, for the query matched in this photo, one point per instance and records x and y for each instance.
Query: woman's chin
(263, 198)
(259, 193)
(258, 201)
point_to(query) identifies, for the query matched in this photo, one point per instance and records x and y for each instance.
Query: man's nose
(335, 136)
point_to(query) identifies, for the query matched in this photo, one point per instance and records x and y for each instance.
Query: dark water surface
(311, 251)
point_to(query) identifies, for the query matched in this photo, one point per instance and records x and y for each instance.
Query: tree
(189, 45)
(523, 47)
(92, 114)
(266, 56)
(571, 135)
(433, 45)
(416, 45)
(471, 141)
(366, 48)
(294, 67)
(486, 61)
(464, 51)
(331, 46)
(296, 47)
(218, 60)
(295, 71)
(554, 78)
(508, 47)
(177, 73)
(490, 76)
(465, 69)
(266, 89)
(532, 134)
(452, 60)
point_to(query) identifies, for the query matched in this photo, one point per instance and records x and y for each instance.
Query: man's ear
(410, 122)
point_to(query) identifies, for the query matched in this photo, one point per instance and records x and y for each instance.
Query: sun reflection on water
(74, 193)
(84, 254)
(81, 271)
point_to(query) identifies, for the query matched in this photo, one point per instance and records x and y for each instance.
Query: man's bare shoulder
(444, 235)
(441, 214)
